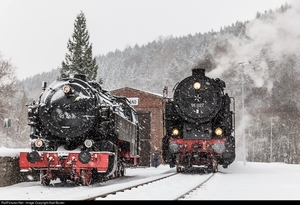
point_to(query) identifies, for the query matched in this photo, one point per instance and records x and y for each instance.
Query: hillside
(261, 53)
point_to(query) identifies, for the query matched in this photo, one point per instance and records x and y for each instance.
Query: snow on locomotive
(80, 132)
(199, 123)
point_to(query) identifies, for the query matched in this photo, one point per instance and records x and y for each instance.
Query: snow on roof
(11, 152)
(160, 95)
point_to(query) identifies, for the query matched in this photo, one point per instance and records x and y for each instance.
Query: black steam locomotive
(80, 132)
(199, 124)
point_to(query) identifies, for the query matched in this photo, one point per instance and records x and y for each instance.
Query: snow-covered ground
(252, 181)
(240, 181)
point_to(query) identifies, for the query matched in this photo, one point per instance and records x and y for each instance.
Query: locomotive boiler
(80, 132)
(199, 124)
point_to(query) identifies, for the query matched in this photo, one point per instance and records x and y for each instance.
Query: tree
(8, 90)
(80, 59)
(18, 134)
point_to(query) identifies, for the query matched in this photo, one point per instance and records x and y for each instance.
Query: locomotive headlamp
(174, 147)
(219, 147)
(84, 157)
(197, 85)
(175, 132)
(218, 131)
(66, 89)
(88, 143)
(33, 157)
(38, 143)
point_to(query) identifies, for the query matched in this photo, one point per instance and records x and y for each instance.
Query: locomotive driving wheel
(215, 166)
(63, 180)
(212, 166)
(44, 178)
(179, 169)
(121, 169)
(86, 177)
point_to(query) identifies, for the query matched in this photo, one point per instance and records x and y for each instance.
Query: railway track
(172, 187)
(137, 184)
(130, 187)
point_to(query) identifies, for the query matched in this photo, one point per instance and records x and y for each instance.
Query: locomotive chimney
(198, 71)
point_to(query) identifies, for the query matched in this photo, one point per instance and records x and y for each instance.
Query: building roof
(146, 92)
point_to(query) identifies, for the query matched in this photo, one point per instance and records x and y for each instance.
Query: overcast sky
(34, 33)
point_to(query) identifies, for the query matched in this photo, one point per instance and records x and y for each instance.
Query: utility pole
(243, 116)
(271, 140)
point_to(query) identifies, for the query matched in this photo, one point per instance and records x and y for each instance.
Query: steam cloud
(278, 35)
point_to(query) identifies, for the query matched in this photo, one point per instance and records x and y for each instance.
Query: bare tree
(8, 81)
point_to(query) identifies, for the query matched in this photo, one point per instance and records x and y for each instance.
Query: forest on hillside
(259, 55)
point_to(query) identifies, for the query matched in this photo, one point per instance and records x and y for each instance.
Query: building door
(145, 138)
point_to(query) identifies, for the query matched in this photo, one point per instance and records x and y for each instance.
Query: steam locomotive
(199, 124)
(80, 132)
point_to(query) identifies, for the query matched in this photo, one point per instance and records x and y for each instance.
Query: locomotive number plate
(62, 153)
(67, 116)
(197, 105)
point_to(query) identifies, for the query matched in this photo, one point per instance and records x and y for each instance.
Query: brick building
(149, 107)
